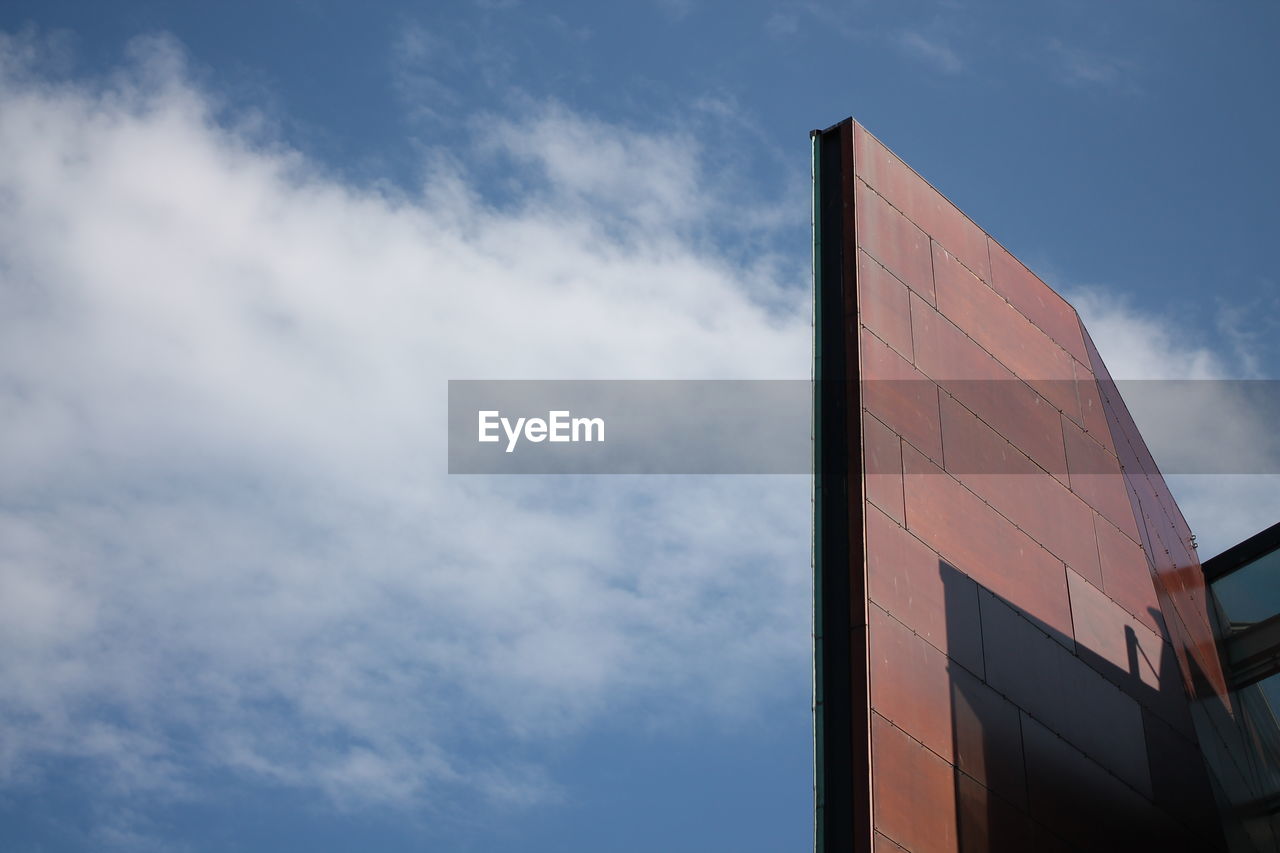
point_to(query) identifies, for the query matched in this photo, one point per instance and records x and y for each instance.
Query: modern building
(1016, 646)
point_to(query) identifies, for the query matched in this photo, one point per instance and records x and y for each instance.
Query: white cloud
(1079, 66)
(932, 50)
(782, 24)
(223, 506)
(1142, 345)
(676, 10)
(1203, 426)
(590, 168)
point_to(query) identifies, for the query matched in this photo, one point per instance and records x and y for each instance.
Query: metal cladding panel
(1027, 619)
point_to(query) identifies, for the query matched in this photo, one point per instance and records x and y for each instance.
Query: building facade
(1015, 645)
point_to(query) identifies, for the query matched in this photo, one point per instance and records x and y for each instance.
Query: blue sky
(242, 247)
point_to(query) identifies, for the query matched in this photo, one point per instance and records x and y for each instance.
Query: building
(1016, 648)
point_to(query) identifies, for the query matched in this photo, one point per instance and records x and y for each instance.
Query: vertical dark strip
(842, 707)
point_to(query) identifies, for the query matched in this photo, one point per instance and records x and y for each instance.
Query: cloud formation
(224, 509)
(1214, 425)
(227, 541)
(1078, 66)
(931, 50)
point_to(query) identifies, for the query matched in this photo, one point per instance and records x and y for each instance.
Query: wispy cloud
(428, 70)
(224, 507)
(1139, 344)
(782, 24)
(1082, 67)
(931, 50)
(1216, 421)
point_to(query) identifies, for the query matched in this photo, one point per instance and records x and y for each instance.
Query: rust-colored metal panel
(883, 844)
(1126, 577)
(1045, 841)
(883, 305)
(1059, 689)
(946, 708)
(1176, 786)
(1093, 418)
(913, 791)
(900, 396)
(1095, 477)
(988, 737)
(1015, 341)
(989, 822)
(1017, 488)
(932, 598)
(987, 388)
(1166, 540)
(921, 203)
(1079, 801)
(910, 683)
(985, 545)
(1127, 652)
(1036, 300)
(882, 463)
(894, 241)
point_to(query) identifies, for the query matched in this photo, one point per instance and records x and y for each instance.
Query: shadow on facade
(1058, 748)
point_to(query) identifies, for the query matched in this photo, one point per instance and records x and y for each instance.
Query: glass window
(1250, 594)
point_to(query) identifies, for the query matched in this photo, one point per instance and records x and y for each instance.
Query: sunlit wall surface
(1007, 627)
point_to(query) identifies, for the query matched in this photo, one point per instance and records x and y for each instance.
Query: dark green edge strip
(842, 760)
